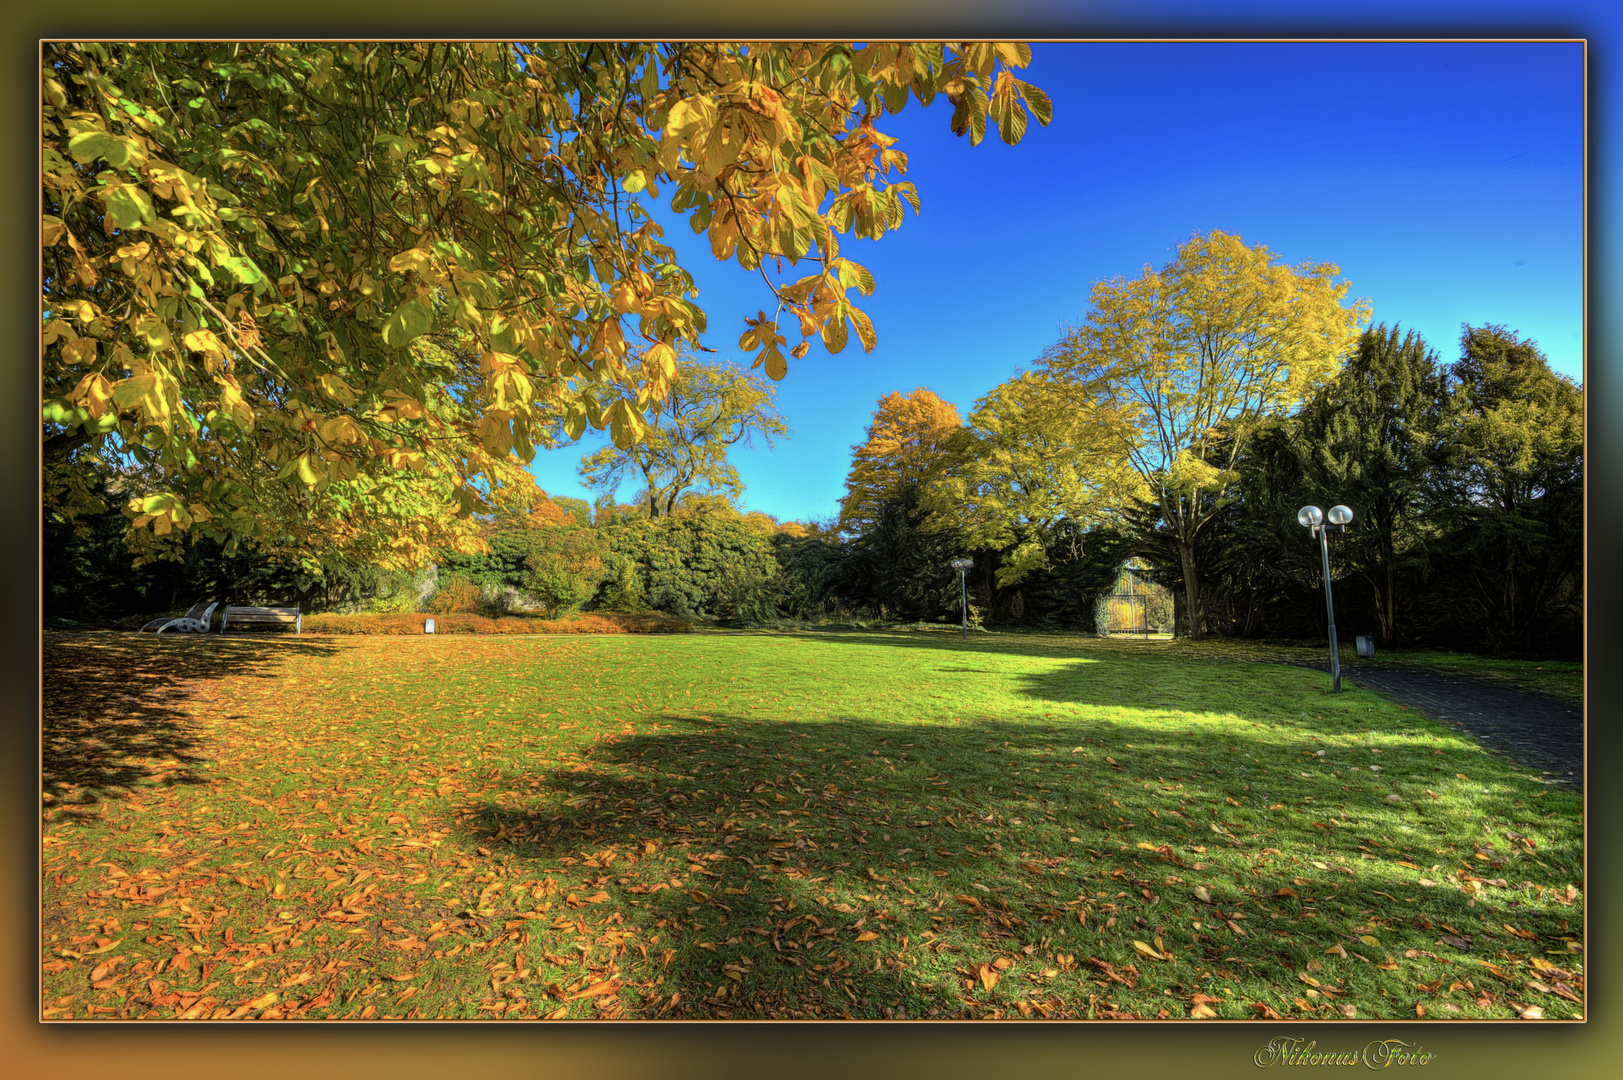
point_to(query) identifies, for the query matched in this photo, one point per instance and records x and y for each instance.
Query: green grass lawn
(778, 825)
(1561, 679)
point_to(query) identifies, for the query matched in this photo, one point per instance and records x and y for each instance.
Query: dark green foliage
(88, 576)
(1466, 487)
(1377, 437)
(691, 565)
(899, 570)
(504, 567)
(1513, 500)
(563, 566)
(1066, 594)
(811, 576)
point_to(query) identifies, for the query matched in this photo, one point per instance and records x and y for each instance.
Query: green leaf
(410, 320)
(90, 145)
(129, 207)
(243, 269)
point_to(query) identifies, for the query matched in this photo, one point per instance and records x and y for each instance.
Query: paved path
(1532, 729)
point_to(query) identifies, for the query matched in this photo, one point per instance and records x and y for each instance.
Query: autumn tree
(1034, 468)
(707, 410)
(906, 448)
(324, 293)
(1191, 357)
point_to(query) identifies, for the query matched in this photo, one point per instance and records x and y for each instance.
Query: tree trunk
(1191, 586)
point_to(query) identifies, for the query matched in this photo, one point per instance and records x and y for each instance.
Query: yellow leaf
(1338, 951)
(264, 1001)
(1201, 1012)
(867, 935)
(1368, 939)
(1148, 950)
(989, 977)
(1202, 894)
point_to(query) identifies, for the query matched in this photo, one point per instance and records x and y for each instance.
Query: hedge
(598, 622)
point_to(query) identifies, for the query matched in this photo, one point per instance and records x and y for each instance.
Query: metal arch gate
(1127, 613)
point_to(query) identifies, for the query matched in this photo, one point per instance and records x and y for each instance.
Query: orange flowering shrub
(597, 622)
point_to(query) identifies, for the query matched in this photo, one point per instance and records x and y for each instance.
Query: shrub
(455, 594)
(605, 622)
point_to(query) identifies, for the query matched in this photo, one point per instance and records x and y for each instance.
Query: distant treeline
(1466, 481)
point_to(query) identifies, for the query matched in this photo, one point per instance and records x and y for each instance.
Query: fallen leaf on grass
(1148, 950)
(103, 968)
(867, 935)
(1369, 940)
(1337, 950)
(1202, 895)
(1529, 1012)
(1201, 1012)
(1349, 1011)
(597, 989)
(989, 977)
(1267, 1011)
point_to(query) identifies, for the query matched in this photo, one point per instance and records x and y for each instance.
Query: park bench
(274, 616)
(195, 621)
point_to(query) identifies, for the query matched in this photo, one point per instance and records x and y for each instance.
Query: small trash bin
(1366, 647)
(428, 628)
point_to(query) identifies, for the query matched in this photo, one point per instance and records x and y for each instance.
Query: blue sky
(1445, 180)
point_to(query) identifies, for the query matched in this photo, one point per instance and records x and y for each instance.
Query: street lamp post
(962, 566)
(1312, 518)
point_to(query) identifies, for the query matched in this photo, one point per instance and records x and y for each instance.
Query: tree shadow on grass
(872, 869)
(113, 710)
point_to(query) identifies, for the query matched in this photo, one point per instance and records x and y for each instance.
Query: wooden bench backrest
(263, 612)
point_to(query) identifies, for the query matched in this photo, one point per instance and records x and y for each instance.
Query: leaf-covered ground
(818, 825)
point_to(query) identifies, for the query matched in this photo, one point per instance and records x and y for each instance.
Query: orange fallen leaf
(104, 967)
(867, 935)
(264, 1001)
(1201, 1012)
(1267, 1011)
(988, 976)
(597, 989)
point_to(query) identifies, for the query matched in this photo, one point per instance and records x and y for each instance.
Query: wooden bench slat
(280, 616)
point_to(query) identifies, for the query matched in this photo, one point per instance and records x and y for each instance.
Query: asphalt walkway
(1535, 730)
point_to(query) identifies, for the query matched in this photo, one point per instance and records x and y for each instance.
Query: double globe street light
(1312, 518)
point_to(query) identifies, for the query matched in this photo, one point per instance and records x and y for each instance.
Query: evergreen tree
(1372, 439)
